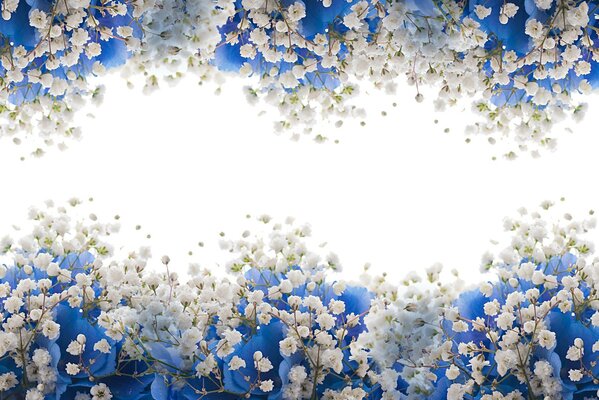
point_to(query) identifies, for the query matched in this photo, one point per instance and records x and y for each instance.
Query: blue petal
(512, 34)
(159, 389)
(17, 28)
(319, 18)
(567, 328)
(72, 323)
(266, 340)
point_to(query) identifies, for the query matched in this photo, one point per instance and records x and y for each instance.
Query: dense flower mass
(521, 63)
(78, 322)
(48, 49)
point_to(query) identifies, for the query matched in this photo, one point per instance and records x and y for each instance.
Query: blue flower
(132, 381)
(7, 364)
(165, 386)
(357, 301)
(17, 29)
(320, 18)
(265, 340)
(511, 35)
(73, 322)
(567, 328)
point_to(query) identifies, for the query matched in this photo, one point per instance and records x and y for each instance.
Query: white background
(399, 193)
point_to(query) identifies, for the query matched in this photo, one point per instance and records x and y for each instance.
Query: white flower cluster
(403, 330)
(48, 51)
(534, 333)
(536, 68)
(48, 271)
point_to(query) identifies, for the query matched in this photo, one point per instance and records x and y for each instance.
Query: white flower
(506, 360)
(571, 53)
(124, 31)
(59, 87)
(102, 346)
(259, 37)
(333, 358)
(544, 4)
(77, 347)
(38, 19)
(41, 358)
(100, 392)
(205, 367)
(507, 11)
(267, 385)
(93, 49)
(575, 352)
(296, 11)
(452, 372)
(13, 304)
(288, 346)
(8, 380)
(575, 375)
(491, 308)
(326, 321)
(79, 37)
(543, 369)
(546, 339)
(505, 320)
(72, 369)
(50, 329)
(578, 16)
(262, 363)
(236, 363)
(482, 12)
(583, 68)
(486, 289)
(288, 80)
(459, 326)
(34, 394)
(534, 28)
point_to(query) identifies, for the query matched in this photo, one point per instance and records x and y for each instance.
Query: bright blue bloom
(165, 387)
(320, 18)
(133, 381)
(266, 340)
(73, 322)
(567, 328)
(511, 35)
(17, 29)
